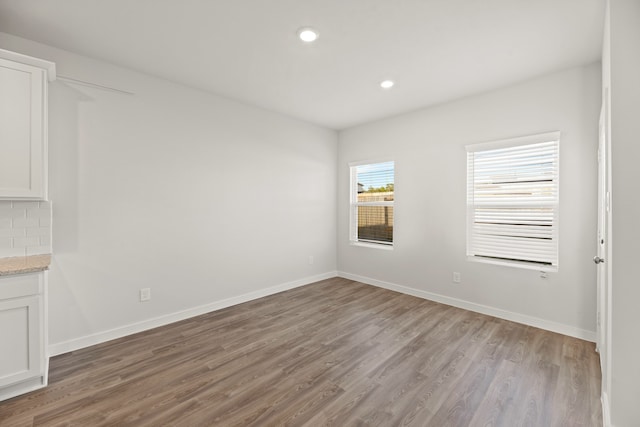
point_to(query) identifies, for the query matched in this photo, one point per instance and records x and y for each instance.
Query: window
(372, 189)
(512, 201)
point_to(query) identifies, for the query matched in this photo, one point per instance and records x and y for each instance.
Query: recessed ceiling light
(308, 35)
(387, 84)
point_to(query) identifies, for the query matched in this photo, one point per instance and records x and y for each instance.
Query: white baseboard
(606, 414)
(100, 337)
(479, 308)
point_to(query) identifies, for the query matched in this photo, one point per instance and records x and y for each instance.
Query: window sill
(515, 264)
(372, 245)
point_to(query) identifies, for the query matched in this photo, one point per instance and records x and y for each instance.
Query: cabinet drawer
(20, 285)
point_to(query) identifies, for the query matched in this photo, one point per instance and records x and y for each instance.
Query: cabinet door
(22, 131)
(20, 338)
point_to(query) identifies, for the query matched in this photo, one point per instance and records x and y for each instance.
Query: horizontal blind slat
(512, 194)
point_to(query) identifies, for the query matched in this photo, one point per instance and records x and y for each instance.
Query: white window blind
(512, 200)
(372, 199)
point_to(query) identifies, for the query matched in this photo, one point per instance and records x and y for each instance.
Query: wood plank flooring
(336, 353)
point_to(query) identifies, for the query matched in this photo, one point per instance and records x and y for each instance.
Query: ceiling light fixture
(308, 35)
(387, 84)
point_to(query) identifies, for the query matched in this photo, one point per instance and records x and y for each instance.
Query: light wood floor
(336, 353)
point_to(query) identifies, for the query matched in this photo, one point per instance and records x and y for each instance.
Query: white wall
(198, 197)
(624, 51)
(430, 207)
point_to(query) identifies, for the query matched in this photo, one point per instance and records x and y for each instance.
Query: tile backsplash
(25, 228)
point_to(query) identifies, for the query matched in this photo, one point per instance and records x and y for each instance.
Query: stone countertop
(24, 264)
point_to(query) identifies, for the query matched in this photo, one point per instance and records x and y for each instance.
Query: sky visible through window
(375, 175)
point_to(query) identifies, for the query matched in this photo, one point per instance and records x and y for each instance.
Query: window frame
(472, 252)
(354, 204)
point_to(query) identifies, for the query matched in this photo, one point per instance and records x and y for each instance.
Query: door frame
(603, 270)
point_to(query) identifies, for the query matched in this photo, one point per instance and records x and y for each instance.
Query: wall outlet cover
(145, 294)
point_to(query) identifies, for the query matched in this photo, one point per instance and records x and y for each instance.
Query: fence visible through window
(372, 201)
(375, 222)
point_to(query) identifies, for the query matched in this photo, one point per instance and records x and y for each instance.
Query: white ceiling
(435, 50)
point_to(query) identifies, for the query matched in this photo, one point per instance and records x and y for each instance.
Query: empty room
(355, 212)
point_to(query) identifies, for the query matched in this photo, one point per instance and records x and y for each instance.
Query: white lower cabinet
(23, 362)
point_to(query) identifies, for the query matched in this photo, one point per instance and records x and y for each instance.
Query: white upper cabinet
(23, 126)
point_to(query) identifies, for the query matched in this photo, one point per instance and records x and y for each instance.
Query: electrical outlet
(456, 277)
(310, 259)
(145, 294)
